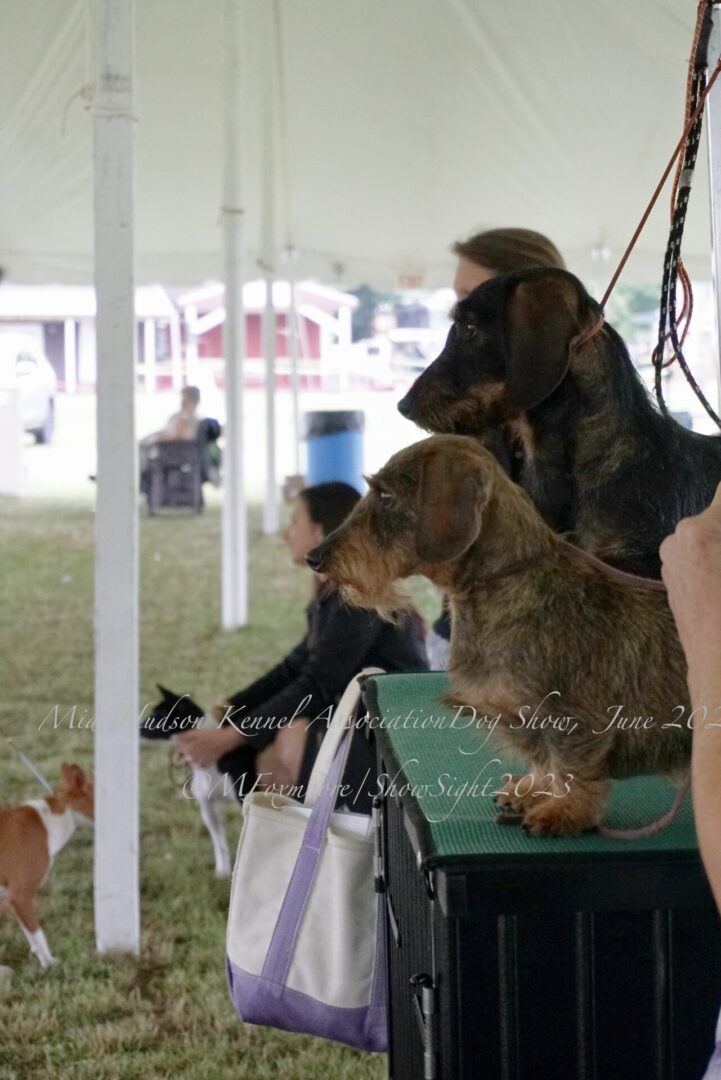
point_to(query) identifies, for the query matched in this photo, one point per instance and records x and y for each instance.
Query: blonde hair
(506, 250)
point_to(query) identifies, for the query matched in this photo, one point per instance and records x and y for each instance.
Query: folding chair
(175, 475)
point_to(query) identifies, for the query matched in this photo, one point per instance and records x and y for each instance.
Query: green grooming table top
(432, 767)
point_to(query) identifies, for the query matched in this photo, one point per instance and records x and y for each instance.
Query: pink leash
(655, 826)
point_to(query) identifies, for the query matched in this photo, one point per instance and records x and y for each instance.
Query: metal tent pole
(234, 588)
(294, 343)
(116, 874)
(271, 517)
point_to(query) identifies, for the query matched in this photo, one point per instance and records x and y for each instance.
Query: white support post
(234, 589)
(271, 516)
(71, 357)
(176, 359)
(117, 908)
(191, 341)
(345, 328)
(713, 130)
(294, 350)
(149, 368)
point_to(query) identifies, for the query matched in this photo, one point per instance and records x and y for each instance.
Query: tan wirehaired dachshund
(535, 621)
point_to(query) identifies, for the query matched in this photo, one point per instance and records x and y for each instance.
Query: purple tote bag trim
(295, 901)
(265, 999)
(259, 1002)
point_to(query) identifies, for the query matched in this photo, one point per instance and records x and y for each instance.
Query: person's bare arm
(691, 570)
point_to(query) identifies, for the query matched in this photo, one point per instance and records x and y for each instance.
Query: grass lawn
(167, 1014)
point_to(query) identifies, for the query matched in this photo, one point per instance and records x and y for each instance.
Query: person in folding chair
(185, 426)
(273, 728)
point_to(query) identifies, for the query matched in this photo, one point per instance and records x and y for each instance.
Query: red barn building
(324, 325)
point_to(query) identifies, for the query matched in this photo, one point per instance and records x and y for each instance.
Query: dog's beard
(435, 423)
(389, 602)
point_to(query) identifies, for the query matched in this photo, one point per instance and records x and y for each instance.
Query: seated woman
(270, 728)
(483, 256)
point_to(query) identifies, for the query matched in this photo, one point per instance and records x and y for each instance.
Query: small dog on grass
(534, 620)
(170, 716)
(528, 355)
(31, 835)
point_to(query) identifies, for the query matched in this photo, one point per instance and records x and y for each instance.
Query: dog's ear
(451, 498)
(72, 776)
(543, 315)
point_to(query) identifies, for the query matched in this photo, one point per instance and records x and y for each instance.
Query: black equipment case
(517, 958)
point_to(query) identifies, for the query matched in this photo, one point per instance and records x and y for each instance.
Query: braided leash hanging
(670, 322)
(684, 156)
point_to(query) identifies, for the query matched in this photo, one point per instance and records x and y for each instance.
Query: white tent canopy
(407, 124)
(398, 125)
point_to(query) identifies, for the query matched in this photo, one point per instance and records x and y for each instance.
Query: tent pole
(291, 254)
(71, 356)
(713, 132)
(149, 357)
(271, 518)
(116, 873)
(175, 353)
(294, 343)
(234, 586)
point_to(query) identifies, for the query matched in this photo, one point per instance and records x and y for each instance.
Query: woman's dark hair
(506, 250)
(328, 505)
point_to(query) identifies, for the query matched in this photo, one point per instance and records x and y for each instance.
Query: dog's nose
(404, 407)
(315, 558)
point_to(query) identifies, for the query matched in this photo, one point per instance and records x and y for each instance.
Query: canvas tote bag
(305, 947)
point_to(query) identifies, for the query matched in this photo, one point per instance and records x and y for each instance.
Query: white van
(23, 364)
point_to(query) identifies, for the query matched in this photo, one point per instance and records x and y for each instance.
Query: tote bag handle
(327, 777)
(343, 716)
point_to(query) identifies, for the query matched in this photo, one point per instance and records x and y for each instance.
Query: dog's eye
(387, 498)
(469, 331)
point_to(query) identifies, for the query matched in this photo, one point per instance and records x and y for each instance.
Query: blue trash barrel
(335, 447)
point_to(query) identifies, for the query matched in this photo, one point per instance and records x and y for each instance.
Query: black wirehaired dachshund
(599, 460)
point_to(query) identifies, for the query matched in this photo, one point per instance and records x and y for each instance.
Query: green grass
(166, 1014)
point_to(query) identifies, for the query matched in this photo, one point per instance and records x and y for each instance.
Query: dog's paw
(558, 818)
(513, 799)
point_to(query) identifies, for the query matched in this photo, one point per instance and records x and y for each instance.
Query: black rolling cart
(516, 958)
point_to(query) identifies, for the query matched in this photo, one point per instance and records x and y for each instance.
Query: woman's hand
(220, 710)
(691, 571)
(204, 747)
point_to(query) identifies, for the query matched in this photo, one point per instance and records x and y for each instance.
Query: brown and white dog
(31, 835)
